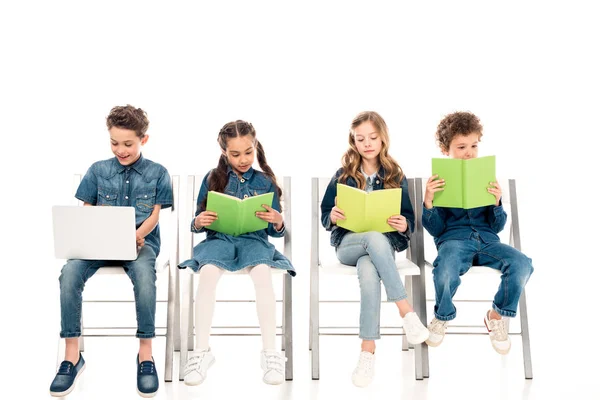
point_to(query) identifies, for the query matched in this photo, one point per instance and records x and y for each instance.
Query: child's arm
(434, 220)
(87, 191)
(496, 214)
(148, 225)
(328, 203)
(273, 215)
(407, 209)
(202, 218)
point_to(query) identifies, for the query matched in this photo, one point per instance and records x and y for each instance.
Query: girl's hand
(496, 190)
(139, 240)
(398, 222)
(433, 185)
(205, 218)
(336, 214)
(272, 216)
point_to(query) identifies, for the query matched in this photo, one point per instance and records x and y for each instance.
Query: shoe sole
(421, 339)
(70, 389)
(499, 351)
(147, 395)
(196, 383)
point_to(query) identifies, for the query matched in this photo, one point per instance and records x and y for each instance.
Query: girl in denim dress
(252, 251)
(368, 166)
(128, 179)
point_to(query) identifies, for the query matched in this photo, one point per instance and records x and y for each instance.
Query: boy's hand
(398, 222)
(433, 185)
(496, 190)
(139, 240)
(205, 218)
(272, 216)
(336, 214)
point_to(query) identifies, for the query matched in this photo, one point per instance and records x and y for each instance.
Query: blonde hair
(351, 160)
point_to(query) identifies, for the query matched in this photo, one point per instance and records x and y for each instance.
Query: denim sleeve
(434, 220)
(271, 231)
(406, 209)
(88, 188)
(164, 190)
(201, 197)
(497, 217)
(328, 203)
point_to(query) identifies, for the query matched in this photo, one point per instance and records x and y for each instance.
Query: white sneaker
(198, 364)
(498, 334)
(414, 329)
(437, 331)
(364, 371)
(272, 363)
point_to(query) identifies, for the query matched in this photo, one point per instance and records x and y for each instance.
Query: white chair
(166, 262)
(323, 260)
(510, 234)
(187, 282)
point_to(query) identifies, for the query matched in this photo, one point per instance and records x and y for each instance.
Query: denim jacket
(456, 223)
(251, 183)
(141, 185)
(399, 241)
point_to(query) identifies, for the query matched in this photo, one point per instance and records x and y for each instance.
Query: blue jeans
(455, 258)
(374, 258)
(142, 273)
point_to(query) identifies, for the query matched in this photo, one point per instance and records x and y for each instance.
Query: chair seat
(404, 266)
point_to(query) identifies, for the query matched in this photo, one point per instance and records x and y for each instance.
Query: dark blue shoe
(147, 379)
(65, 378)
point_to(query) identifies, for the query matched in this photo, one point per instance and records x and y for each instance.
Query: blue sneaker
(65, 378)
(147, 379)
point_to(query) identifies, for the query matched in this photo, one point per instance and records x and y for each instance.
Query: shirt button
(126, 181)
(126, 197)
(107, 196)
(377, 181)
(242, 180)
(245, 196)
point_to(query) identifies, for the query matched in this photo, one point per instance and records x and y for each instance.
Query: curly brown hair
(458, 123)
(351, 160)
(128, 117)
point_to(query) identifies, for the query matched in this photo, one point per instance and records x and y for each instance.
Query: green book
(236, 216)
(368, 211)
(466, 182)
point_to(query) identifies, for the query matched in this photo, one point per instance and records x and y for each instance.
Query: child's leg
(370, 303)
(72, 280)
(204, 307)
(265, 304)
(516, 269)
(454, 259)
(142, 273)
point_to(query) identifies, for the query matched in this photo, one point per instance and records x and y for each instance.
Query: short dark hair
(128, 117)
(458, 123)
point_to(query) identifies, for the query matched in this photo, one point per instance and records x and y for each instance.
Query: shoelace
(365, 364)
(146, 367)
(194, 363)
(499, 328)
(275, 361)
(437, 326)
(65, 368)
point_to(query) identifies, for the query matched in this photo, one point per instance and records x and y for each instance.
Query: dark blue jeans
(455, 258)
(142, 273)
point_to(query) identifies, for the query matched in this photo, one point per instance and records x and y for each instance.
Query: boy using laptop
(128, 179)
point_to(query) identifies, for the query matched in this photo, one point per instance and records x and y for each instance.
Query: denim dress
(233, 253)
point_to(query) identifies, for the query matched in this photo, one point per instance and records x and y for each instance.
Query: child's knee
(377, 240)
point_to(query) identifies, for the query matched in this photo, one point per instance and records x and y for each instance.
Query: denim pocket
(144, 201)
(106, 197)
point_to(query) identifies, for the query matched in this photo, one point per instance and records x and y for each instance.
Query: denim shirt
(457, 223)
(399, 241)
(252, 183)
(141, 185)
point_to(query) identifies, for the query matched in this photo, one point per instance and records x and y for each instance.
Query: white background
(300, 71)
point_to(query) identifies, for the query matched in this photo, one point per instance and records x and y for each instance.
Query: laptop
(94, 233)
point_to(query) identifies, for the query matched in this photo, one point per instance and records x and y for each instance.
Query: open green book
(466, 181)
(236, 216)
(368, 211)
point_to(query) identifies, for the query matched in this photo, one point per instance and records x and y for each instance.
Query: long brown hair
(217, 180)
(351, 160)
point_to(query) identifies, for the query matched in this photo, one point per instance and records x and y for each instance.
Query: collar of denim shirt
(246, 175)
(137, 166)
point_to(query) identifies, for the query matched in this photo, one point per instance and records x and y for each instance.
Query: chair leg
(185, 321)
(420, 306)
(81, 342)
(287, 326)
(314, 324)
(170, 326)
(525, 336)
(177, 327)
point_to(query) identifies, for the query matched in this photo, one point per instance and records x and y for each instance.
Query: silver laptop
(94, 233)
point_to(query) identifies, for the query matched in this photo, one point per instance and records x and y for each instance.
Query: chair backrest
(320, 237)
(193, 189)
